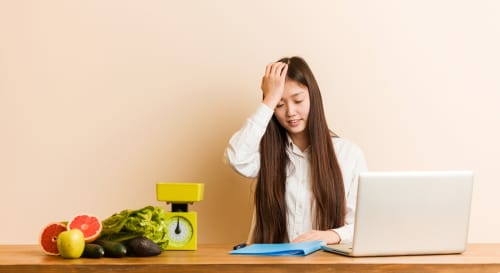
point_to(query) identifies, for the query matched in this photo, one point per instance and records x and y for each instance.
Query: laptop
(410, 213)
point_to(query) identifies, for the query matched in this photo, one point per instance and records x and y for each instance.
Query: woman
(306, 175)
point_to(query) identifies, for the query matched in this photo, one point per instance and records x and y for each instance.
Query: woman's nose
(290, 110)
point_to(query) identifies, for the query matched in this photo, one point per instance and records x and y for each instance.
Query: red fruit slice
(48, 237)
(90, 225)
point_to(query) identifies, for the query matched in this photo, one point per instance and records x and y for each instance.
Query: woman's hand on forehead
(273, 83)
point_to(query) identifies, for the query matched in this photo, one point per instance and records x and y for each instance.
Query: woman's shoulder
(343, 142)
(349, 155)
(346, 147)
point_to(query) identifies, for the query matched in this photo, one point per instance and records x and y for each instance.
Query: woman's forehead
(293, 88)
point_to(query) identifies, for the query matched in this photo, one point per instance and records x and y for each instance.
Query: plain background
(100, 100)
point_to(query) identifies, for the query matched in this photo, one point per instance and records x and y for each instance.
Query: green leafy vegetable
(128, 224)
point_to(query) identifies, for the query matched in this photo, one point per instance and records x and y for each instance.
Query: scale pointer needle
(177, 228)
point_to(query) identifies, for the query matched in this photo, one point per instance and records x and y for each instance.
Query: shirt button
(300, 205)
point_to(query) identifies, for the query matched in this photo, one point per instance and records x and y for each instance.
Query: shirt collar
(295, 149)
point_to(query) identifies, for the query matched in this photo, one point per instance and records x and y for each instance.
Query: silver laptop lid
(400, 213)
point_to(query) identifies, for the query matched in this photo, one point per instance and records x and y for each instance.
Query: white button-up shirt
(243, 155)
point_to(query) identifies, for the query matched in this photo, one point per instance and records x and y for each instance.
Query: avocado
(142, 247)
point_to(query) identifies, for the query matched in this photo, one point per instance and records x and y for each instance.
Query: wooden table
(482, 258)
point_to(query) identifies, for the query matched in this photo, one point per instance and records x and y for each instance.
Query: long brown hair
(326, 176)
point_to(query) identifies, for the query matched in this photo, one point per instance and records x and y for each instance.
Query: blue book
(284, 249)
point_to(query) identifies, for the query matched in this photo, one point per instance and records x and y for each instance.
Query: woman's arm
(243, 150)
(346, 232)
(354, 162)
(242, 153)
(329, 236)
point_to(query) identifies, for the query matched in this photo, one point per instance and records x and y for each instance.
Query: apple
(71, 243)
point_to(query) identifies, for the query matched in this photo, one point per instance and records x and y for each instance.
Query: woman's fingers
(276, 69)
(268, 69)
(273, 83)
(284, 70)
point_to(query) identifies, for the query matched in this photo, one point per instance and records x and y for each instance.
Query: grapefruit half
(48, 237)
(89, 224)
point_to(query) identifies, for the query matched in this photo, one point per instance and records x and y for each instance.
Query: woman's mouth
(293, 122)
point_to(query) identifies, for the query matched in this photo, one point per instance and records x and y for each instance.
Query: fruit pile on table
(139, 233)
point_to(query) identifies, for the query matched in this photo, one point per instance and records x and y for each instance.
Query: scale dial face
(180, 231)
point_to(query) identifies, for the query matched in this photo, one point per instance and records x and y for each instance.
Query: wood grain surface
(482, 258)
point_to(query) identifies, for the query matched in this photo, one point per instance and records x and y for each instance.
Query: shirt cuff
(262, 116)
(345, 233)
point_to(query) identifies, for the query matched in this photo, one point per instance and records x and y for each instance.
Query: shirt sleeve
(242, 152)
(346, 232)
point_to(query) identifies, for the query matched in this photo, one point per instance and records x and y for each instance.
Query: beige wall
(99, 100)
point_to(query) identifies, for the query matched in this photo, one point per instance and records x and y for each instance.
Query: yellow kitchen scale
(181, 223)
